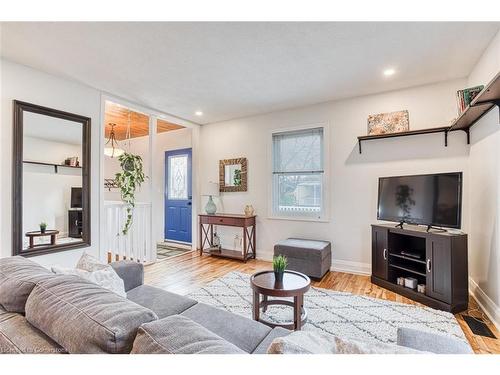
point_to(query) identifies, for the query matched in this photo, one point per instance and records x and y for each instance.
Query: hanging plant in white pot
(129, 180)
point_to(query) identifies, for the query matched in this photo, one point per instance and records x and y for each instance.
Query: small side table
(47, 233)
(294, 284)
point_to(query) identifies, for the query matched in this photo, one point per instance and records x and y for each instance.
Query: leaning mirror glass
(52, 198)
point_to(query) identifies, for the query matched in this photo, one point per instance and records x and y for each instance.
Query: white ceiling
(231, 70)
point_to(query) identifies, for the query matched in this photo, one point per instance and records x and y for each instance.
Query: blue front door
(178, 195)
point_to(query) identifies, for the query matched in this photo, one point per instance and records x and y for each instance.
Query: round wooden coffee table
(294, 284)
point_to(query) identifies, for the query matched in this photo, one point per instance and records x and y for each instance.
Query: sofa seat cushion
(180, 335)
(18, 277)
(83, 317)
(18, 336)
(274, 334)
(245, 333)
(160, 301)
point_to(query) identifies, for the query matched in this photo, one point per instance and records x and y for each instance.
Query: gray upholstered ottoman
(310, 257)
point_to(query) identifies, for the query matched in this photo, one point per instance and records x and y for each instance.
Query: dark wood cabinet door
(439, 268)
(380, 252)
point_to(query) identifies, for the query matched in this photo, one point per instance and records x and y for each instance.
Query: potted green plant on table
(43, 227)
(279, 265)
(129, 180)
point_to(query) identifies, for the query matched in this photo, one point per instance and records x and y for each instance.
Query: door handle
(189, 203)
(385, 254)
(428, 265)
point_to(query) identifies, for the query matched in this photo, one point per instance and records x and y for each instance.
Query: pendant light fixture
(111, 148)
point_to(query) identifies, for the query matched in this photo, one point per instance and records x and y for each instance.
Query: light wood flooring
(188, 272)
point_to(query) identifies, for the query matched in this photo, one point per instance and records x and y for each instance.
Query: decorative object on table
(43, 227)
(232, 292)
(249, 211)
(216, 242)
(111, 148)
(401, 281)
(296, 285)
(466, 96)
(411, 282)
(421, 288)
(128, 180)
(392, 122)
(211, 190)
(279, 266)
(233, 175)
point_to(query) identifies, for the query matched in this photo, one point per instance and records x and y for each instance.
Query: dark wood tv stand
(438, 260)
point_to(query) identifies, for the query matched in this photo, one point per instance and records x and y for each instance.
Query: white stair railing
(136, 244)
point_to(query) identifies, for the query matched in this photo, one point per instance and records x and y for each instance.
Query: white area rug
(338, 313)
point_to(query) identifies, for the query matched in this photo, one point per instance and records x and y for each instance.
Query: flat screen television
(431, 199)
(76, 197)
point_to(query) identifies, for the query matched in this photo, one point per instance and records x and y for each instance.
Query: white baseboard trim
(485, 303)
(357, 268)
(347, 266)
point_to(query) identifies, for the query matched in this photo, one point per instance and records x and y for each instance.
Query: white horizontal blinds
(298, 173)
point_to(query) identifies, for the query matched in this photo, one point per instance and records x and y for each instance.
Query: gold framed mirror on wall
(51, 180)
(233, 174)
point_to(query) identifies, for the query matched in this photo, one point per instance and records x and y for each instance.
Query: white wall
(26, 84)
(484, 192)
(353, 177)
(46, 194)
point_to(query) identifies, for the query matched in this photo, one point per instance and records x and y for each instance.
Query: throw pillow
(304, 342)
(106, 278)
(89, 263)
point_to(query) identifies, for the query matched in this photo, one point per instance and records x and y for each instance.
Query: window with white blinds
(298, 173)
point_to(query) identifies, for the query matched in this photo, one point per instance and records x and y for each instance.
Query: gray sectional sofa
(41, 312)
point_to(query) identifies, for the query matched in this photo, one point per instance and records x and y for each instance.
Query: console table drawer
(231, 221)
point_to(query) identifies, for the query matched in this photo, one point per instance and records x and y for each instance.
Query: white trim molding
(347, 266)
(485, 303)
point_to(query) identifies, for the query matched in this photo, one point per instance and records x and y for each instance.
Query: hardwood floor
(188, 272)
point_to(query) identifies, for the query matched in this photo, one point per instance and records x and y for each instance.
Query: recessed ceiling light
(389, 72)
(198, 113)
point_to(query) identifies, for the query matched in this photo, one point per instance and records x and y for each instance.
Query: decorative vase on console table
(211, 190)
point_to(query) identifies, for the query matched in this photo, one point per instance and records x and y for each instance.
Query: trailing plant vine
(129, 180)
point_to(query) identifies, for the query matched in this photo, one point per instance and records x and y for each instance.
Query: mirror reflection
(232, 175)
(52, 181)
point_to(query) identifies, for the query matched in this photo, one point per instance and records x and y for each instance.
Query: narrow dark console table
(436, 259)
(48, 233)
(206, 235)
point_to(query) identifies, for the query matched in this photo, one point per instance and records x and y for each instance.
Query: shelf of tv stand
(407, 269)
(407, 258)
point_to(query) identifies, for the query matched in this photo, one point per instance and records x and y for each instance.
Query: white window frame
(323, 216)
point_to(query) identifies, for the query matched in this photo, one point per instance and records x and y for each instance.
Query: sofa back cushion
(18, 277)
(83, 317)
(177, 334)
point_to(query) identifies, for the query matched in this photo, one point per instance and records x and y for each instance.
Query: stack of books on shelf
(465, 97)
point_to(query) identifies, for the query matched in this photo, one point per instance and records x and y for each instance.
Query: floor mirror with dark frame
(51, 180)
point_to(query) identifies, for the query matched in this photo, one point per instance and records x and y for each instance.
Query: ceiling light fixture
(111, 148)
(198, 113)
(389, 72)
